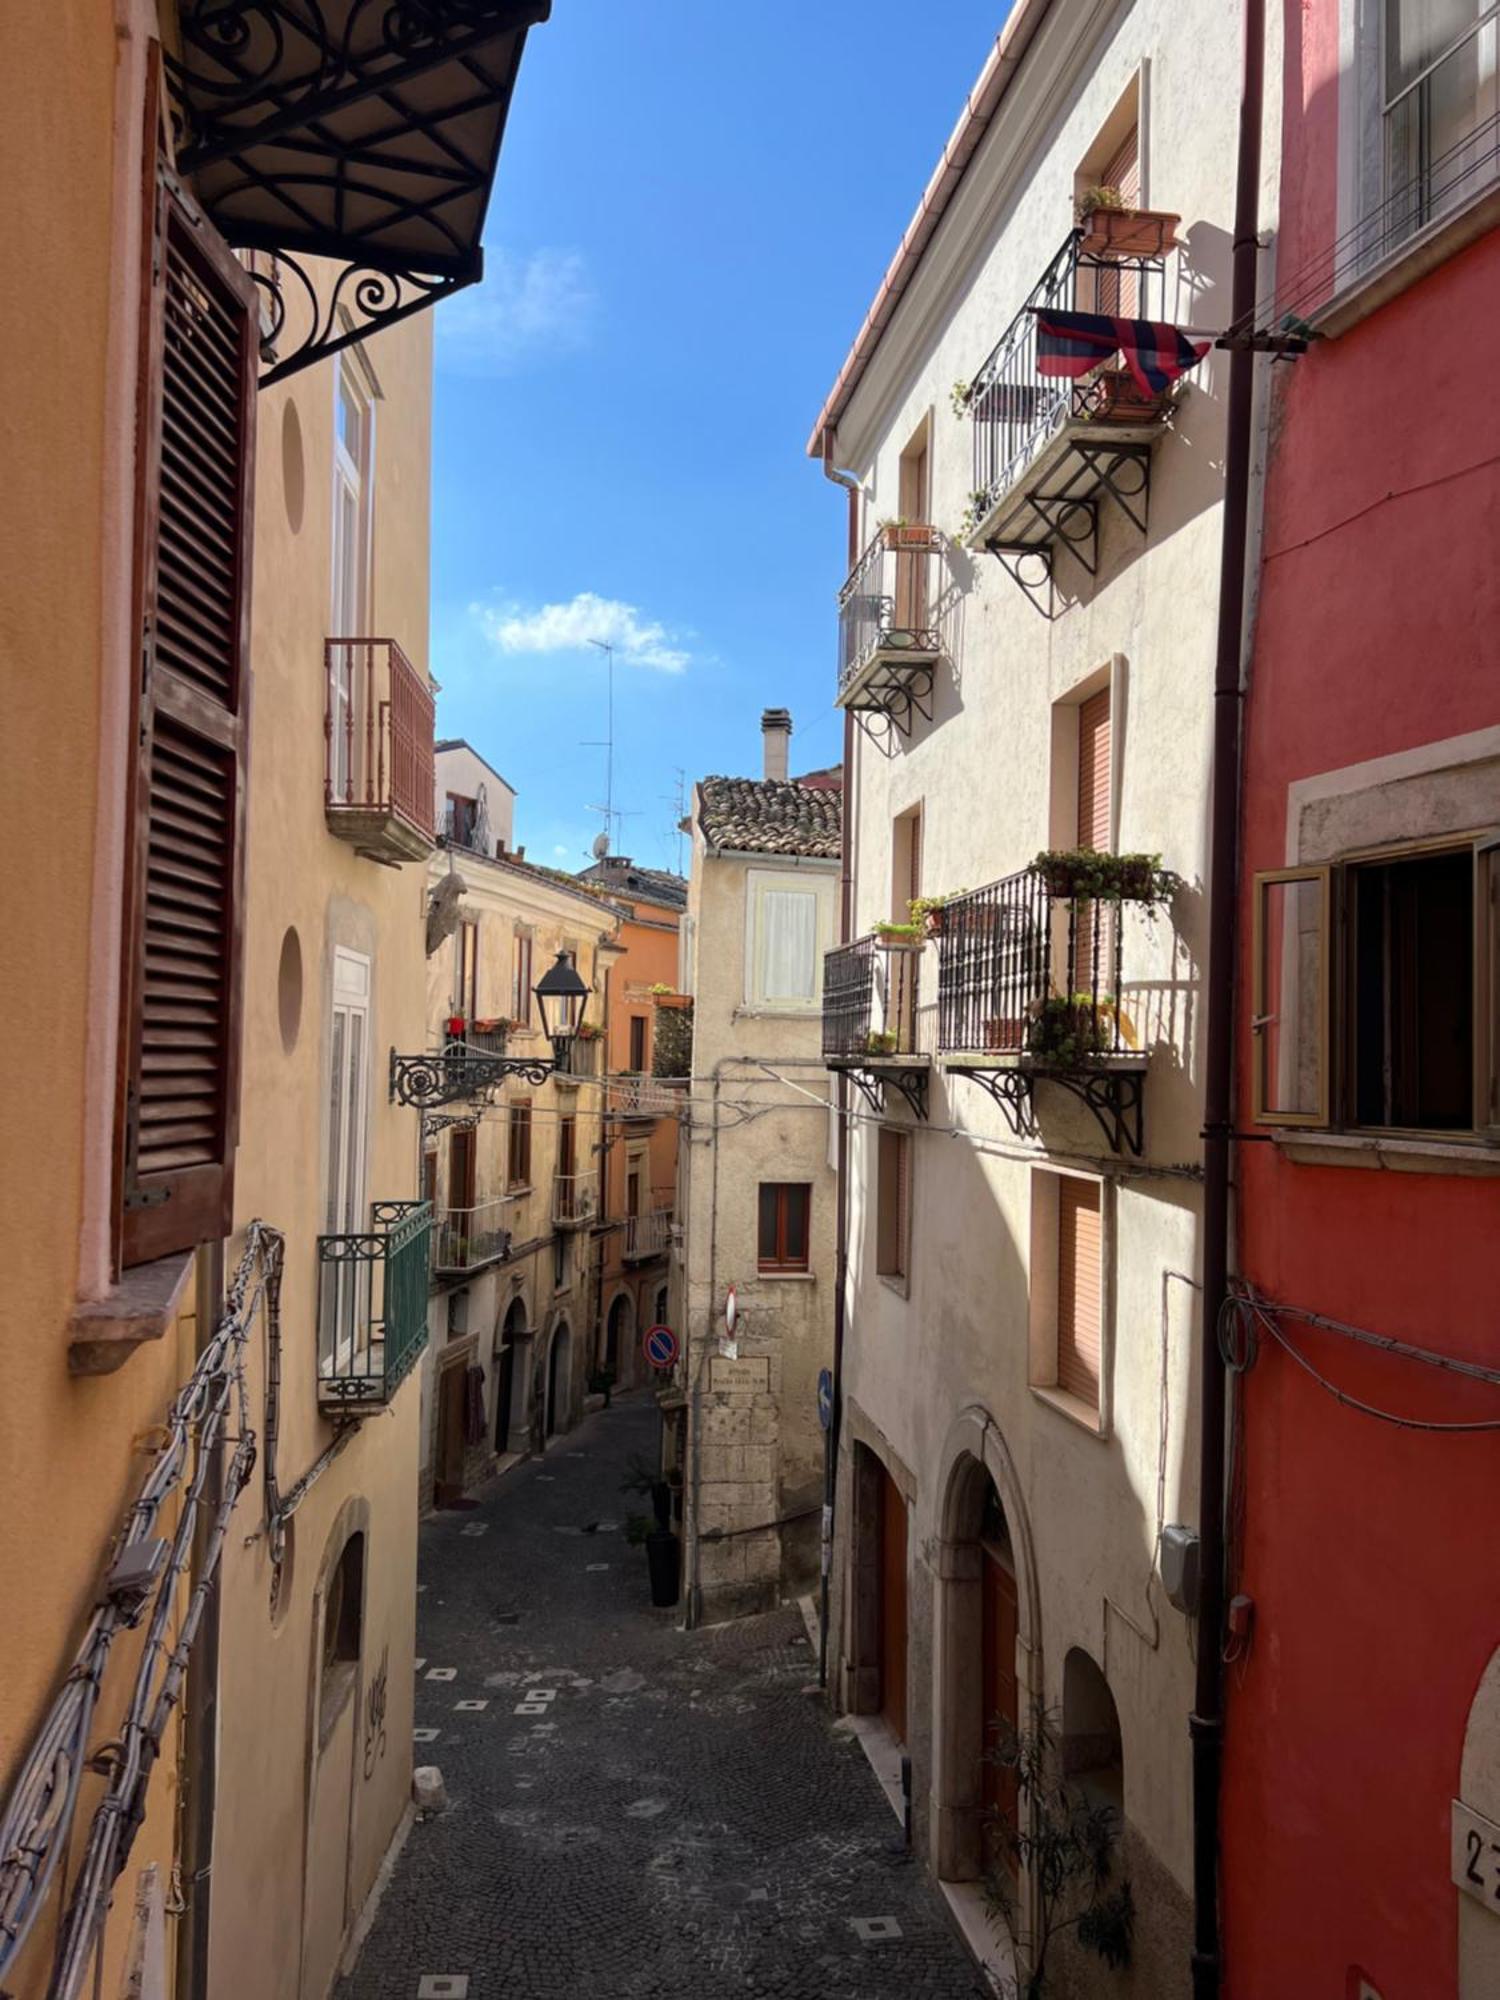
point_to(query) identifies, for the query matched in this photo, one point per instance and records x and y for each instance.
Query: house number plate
(1476, 1856)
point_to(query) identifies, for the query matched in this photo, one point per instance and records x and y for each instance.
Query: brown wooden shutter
(1078, 1281)
(892, 1200)
(184, 914)
(461, 1168)
(1093, 771)
(1123, 171)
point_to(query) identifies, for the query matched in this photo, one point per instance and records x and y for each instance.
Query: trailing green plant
(1071, 1032)
(974, 513)
(887, 928)
(880, 1042)
(1106, 878)
(1068, 1846)
(960, 396)
(928, 910)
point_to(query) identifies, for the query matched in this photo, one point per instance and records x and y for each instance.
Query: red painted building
(1364, 1686)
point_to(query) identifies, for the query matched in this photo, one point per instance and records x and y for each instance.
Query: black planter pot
(664, 1561)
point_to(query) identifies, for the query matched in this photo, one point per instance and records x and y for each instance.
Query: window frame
(518, 1145)
(1044, 1291)
(893, 1153)
(522, 968)
(466, 970)
(760, 883)
(779, 1264)
(1260, 1018)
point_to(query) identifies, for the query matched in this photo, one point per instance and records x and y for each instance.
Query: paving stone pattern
(638, 1813)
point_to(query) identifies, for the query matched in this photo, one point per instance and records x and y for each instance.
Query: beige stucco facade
(515, 1289)
(752, 1448)
(945, 1377)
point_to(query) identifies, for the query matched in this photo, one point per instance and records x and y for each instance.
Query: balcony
(1046, 448)
(372, 1307)
(377, 722)
(582, 1064)
(575, 1199)
(638, 1099)
(1030, 985)
(888, 630)
(870, 1019)
(465, 1240)
(647, 1236)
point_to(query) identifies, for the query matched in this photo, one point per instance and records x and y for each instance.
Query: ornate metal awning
(366, 132)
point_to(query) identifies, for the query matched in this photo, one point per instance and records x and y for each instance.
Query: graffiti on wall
(375, 1706)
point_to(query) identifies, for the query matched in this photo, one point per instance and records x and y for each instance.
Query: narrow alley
(632, 1811)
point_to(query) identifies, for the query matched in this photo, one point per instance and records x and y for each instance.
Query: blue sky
(694, 206)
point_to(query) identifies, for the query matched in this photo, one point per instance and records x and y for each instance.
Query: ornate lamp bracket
(450, 1074)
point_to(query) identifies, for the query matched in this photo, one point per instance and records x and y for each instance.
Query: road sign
(660, 1345)
(825, 1397)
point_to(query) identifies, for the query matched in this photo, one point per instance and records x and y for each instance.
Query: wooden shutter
(1093, 771)
(892, 1202)
(1123, 169)
(184, 897)
(461, 1168)
(1078, 1283)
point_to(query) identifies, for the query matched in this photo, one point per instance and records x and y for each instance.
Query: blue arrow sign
(825, 1397)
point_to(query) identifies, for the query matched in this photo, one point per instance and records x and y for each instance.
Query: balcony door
(911, 564)
(344, 1319)
(353, 442)
(1094, 954)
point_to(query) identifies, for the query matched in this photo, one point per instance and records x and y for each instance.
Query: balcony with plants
(889, 637)
(1032, 985)
(1046, 447)
(466, 1240)
(378, 730)
(575, 1199)
(372, 1307)
(870, 1000)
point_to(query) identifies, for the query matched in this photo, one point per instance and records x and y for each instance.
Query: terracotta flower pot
(1128, 232)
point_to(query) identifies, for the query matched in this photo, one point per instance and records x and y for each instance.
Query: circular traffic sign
(660, 1346)
(731, 1313)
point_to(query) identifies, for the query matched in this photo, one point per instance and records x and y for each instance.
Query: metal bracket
(1011, 1090)
(1116, 1099)
(1060, 516)
(873, 1085)
(1105, 461)
(360, 301)
(1013, 558)
(445, 1077)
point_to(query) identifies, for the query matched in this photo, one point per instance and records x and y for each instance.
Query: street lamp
(560, 995)
(460, 1071)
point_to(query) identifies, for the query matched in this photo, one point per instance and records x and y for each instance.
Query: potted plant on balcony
(1072, 872)
(905, 534)
(1110, 228)
(881, 1042)
(1113, 396)
(893, 936)
(928, 911)
(1068, 1033)
(589, 1031)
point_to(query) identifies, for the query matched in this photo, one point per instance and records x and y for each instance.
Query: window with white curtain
(788, 929)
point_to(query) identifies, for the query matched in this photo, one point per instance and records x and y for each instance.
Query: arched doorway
(511, 1336)
(879, 1612)
(1092, 1754)
(338, 1637)
(988, 1665)
(617, 1333)
(557, 1379)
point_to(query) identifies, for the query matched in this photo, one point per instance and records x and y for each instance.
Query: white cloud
(571, 627)
(527, 307)
(561, 853)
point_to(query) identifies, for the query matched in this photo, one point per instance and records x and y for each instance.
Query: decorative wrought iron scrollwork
(359, 302)
(1011, 1090)
(1116, 1098)
(448, 1075)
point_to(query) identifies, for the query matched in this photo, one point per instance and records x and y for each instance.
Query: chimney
(776, 734)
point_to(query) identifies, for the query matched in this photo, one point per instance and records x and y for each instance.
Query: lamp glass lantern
(560, 995)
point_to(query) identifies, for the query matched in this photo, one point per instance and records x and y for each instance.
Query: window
(461, 1168)
(343, 1323)
(1440, 107)
(466, 987)
(1397, 1031)
(520, 999)
(911, 611)
(788, 923)
(1095, 825)
(783, 1225)
(353, 487)
(460, 819)
(906, 863)
(518, 1154)
(892, 1203)
(343, 1631)
(559, 1262)
(184, 884)
(1067, 1289)
(429, 1177)
(567, 1168)
(638, 1044)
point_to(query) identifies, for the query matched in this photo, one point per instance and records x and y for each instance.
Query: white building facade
(1027, 650)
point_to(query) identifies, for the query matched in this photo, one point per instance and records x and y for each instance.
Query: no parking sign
(660, 1346)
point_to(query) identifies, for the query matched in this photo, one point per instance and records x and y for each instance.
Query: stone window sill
(786, 1277)
(1395, 1152)
(104, 1333)
(1073, 1408)
(1407, 265)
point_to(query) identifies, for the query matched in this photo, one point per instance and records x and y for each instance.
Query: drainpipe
(201, 1720)
(841, 1086)
(1206, 1724)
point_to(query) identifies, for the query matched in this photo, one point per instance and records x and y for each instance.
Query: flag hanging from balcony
(1155, 351)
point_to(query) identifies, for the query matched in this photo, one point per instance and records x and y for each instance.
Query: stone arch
(980, 1498)
(1092, 1752)
(556, 1410)
(619, 1332)
(1479, 1789)
(512, 1370)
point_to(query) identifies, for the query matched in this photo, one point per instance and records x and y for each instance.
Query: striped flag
(1155, 351)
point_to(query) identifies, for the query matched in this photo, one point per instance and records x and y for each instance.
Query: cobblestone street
(633, 1811)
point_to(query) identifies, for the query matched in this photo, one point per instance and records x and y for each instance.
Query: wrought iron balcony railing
(378, 725)
(467, 1239)
(632, 1095)
(870, 1001)
(372, 1306)
(575, 1198)
(888, 636)
(1024, 973)
(1013, 408)
(648, 1235)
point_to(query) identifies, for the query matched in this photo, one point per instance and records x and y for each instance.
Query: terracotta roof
(623, 877)
(771, 816)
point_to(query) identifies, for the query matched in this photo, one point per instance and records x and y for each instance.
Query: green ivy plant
(974, 513)
(1106, 878)
(960, 396)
